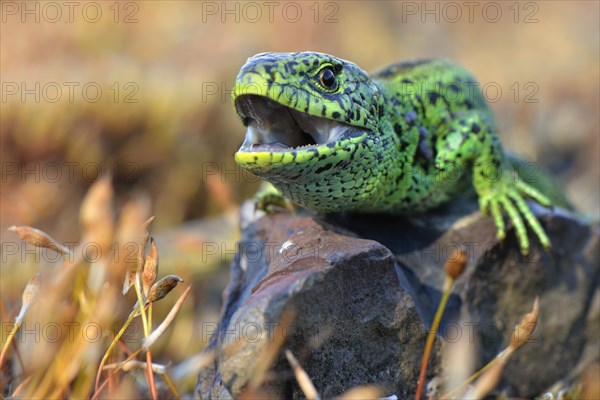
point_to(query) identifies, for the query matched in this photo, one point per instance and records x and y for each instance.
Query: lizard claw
(498, 219)
(509, 197)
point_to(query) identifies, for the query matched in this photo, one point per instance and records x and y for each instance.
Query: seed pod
(455, 265)
(150, 270)
(161, 288)
(96, 213)
(39, 238)
(132, 231)
(143, 242)
(32, 290)
(526, 327)
(30, 295)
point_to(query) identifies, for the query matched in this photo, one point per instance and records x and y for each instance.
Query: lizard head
(298, 107)
(312, 129)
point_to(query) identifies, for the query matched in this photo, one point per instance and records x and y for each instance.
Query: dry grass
(83, 294)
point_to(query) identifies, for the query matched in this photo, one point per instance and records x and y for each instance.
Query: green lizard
(330, 138)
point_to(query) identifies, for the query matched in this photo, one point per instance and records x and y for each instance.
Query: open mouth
(274, 127)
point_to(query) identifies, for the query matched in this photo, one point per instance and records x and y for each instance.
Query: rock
(347, 295)
(354, 322)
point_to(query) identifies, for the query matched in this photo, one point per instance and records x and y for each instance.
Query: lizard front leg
(269, 199)
(471, 140)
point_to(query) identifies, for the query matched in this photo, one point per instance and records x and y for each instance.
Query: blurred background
(141, 91)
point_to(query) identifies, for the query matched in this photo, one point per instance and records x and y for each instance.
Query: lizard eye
(327, 78)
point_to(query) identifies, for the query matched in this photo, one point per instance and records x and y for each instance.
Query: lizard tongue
(276, 136)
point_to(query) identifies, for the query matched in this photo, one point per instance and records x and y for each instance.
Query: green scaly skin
(413, 135)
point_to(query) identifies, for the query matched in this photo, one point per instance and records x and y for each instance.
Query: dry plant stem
(171, 386)
(9, 339)
(152, 337)
(138, 291)
(20, 388)
(113, 343)
(503, 354)
(14, 343)
(308, 388)
(448, 282)
(519, 338)
(122, 365)
(150, 375)
(136, 364)
(124, 362)
(100, 388)
(29, 296)
(131, 356)
(8, 342)
(490, 380)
